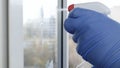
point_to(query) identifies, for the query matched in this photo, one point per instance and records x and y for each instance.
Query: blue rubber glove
(97, 36)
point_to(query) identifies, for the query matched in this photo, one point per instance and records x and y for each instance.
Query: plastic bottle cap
(70, 7)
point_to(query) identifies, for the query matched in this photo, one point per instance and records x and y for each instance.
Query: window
(40, 33)
(36, 38)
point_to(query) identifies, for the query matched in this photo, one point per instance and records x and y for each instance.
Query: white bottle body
(95, 6)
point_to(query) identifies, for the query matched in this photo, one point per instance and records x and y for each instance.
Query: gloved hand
(97, 37)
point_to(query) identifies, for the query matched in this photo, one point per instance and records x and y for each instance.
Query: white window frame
(15, 29)
(3, 34)
(63, 59)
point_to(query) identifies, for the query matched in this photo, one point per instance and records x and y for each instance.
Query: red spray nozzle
(70, 7)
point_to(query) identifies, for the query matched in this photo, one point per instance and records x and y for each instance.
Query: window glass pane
(40, 33)
(115, 9)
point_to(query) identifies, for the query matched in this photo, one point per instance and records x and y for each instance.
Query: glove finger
(68, 25)
(73, 24)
